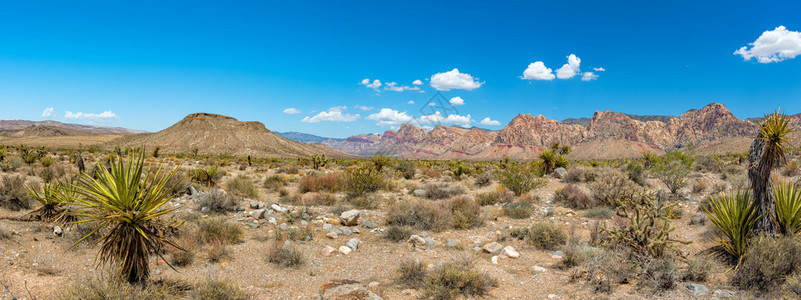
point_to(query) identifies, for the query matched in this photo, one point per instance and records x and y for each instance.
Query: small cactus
(319, 161)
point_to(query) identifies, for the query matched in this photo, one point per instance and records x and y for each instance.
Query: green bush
(519, 180)
(465, 213)
(442, 190)
(397, 233)
(546, 236)
(243, 186)
(612, 188)
(672, 169)
(362, 180)
(734, 215)
(411, 273)
(452, 280)
(518, 209)
(209, 175)
(218, 229)
(647, 228)
(489, 198)
(426, 215)
(406, 169)
(574, 197)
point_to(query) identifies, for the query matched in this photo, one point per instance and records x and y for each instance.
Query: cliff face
(606, 135)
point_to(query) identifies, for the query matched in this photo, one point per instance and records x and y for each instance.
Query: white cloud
(538, 71)
(570, 69)
(438, 118)
(331, 116)
(490, 122)
(456, 101)
(393, 86)
(374, 85)
(292, 111)
(362, 107)
(48, 112)
(89, 116)
(599, 69)
(388, 117)
(338, 108)
(453, 80)
(588, 76)
(410, 102)
(417, 82)
(773, 46)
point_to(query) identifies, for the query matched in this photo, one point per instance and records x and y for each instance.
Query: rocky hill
(16, 125)
(218, 134)
(607, 134)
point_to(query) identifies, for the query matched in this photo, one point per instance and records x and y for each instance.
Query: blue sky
(147, 64)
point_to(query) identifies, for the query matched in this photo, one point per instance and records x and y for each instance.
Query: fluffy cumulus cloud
(438, 118)
(454, 80)
(375, 84)
(292, 111)
(588, 76)
(395, 87)
(48, 112)
(331, 116)
(456, 101)
(338, 108)
(89, 116)
(362, 107)
(490, 122)
(773, 46)
(538, 71)
(389, 117)
(417, 82)
(570, 69)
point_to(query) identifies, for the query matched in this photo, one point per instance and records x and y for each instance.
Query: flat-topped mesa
(215, 121)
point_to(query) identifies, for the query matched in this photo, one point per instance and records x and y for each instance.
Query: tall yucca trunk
(759, 168)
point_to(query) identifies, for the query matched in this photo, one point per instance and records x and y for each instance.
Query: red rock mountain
(712, 128)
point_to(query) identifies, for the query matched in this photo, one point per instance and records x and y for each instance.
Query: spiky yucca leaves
(766, 154)
(548, 160)
(788, 208)
(735, 215)
(208, 175)
(128, 202)
(54, 200)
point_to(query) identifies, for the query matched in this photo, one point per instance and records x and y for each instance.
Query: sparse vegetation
(242, 186)
(519, 180)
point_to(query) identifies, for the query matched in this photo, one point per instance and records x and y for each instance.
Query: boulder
(328, 251)
(353, 244)
(346, 289)
(510, 252)
(350, 218)
(560, 173)
(420, 192)
(345, 250)
(492, 247)
(697, 289)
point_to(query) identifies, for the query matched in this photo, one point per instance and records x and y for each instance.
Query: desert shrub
(700, 186)
(316, 183)
(698, 269)
(575, 253)
(12, 193)
(215, 288)
(608, 267)
(216, 251)
(242, 186)
(767, 263)
(179, 183)
(574, 197)
(417, 213)
(325, 199)
(613, 188)
(672, 169)
(451, 280)
(658, 273)
(102, 287)
(787, 197)
(274, 182)
(300, 234)
(465, 213)
(599, 213)
(207, 175)
(490, 198)
(10, 164)
(575, 175)
(519, 180)
(430, 172)
(364, 202)
(406, 169)
(397, 233)
(646, 229)
(546, 236)
(285, 256)
(411, 273)
(442, 190)
(483, 179)
(362, 180)
(218, 229)
(734, 216)
(636, 173)
(791, 168)
(792, 286)
(381, 161)
(217, 201)
(54, 199)
(518, 209)
(51, 173)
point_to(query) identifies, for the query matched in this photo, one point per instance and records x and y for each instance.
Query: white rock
(58, 231)
(350, 218)
(328, 250)
(510, 252)
(492, 247)
(494, 259)
(277, 208)
(345, 250)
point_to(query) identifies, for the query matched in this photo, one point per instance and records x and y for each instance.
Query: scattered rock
(254, 225)
(420, 192)
(557, 254)
(494, 260)
(346, 289)
(368, 224)
(58, 231)
(277, 208)
(510, 252)
(328, 250)
(560, 173)
(416, 240)
(345, 250)
(327, 227)
(725, 294)
(697, 289)
(353, 244)
(333, 221)
(539, 269)
(430, 243)
(283, 227)
(331, 235)
(355, 230)
(258, 214)
(492, 247)
(346, 231)
(452, 243)
(350, 218)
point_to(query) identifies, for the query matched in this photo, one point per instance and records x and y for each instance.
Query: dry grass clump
(185, 257)
(314, 198)
(242, 186)
(426, 215)
(316, 183)
(285, 256)
(216, 288)
(216, 251)
(217, 201)
(614, 188)
(359, 181)
(218, 229)
(364, 202)
(546, 236)
(767, 263)
(575, 175)
(12, 193)
(103, 287)
(405, 169)
(493, 197)
(411, 273)
(483, 179)
(274, 182)
(599, 213)
(450, 280)
(698, 269)
(519, 209)
(574, 197)
(465, 213)
(442, 190)
(397, 233)
(430, 172)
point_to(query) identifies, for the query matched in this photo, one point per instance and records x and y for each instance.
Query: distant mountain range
(305, 137)
(10, 127)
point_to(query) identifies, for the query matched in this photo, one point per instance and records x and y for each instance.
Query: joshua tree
(128, 202)
(766, 154)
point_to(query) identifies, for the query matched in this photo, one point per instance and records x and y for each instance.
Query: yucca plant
(766, 154)
(548, 160)
(207, 175)
(54, 199)
(735, 215)
(788, 208)
(129, 203)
